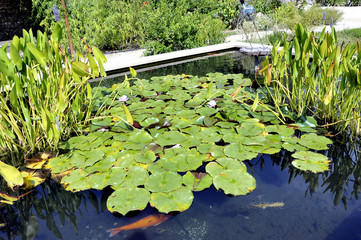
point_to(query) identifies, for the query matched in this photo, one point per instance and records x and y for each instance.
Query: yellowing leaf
(129, 115)
(11, 175)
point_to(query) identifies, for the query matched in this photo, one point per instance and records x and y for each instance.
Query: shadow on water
(316, 206)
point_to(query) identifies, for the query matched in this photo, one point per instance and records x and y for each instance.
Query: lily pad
(197, 181)
(310, 161)
(170, 138)
(235, 182)
(314, 141)
(163, 182)
(178, 200)
(125, 200)
(238, 151)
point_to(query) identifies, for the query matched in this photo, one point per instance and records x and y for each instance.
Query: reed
(313, 75)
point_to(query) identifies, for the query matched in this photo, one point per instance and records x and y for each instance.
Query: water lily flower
(123, 98)
(212, 103)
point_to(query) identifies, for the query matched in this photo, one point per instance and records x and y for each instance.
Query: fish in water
(152, 220)
(267, 205)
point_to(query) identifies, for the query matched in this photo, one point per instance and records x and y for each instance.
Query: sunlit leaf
(124, 200)
(178, 200)
(163, 182)
(310, 161)
(11, 175)
(235, 182)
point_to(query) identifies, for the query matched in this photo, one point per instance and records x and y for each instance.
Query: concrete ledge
(124, 60)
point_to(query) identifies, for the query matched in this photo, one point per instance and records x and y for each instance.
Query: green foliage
(339, 2)
(288, 15)
(349, 36)
(105, 24)
(44, 94)
(162, 26)
(172, 27)
(326, 85)
(265, 7)
(187, 134)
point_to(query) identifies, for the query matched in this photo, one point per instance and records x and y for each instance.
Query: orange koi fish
(152, 220)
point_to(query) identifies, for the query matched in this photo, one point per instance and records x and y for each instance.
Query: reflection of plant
(49, 201)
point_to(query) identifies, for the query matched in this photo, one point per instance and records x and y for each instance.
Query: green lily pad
(314, 141)
(163, 182)
(310, 161)
(124, 200)
(238, 151)
(136, 176)
(235, 182)
(251, 127)
(146, 158)
(222, 164)
(138, 140)
(197, 181)
(282, 130)
(178, 200)
(170, 138)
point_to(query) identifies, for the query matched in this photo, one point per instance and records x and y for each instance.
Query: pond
(286, 204)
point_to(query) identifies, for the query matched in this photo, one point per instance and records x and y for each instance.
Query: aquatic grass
(312, 75)
(44, 93)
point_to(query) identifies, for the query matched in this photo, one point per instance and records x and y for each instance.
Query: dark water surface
(316, 206)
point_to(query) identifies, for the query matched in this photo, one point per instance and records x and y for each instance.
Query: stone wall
(13, 17)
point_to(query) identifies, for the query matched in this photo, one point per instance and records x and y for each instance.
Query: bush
(172, 27)
(288, 16)
(107, 24)
(169, 25)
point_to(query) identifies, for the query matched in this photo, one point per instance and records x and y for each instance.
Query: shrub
(107, 24)
(276, 37)
(172, 27)
(265, 7)
(288, 16)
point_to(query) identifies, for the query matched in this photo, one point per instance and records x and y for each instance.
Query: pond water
(315, 206)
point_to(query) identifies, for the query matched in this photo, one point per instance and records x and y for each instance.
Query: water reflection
(310, 208)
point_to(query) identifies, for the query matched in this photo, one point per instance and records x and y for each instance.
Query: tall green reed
(312, 74)
(44, 94)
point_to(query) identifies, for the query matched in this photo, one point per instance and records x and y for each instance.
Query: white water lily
(123, 98)
(212, 103)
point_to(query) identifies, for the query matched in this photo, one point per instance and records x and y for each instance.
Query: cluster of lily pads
(159, 140)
